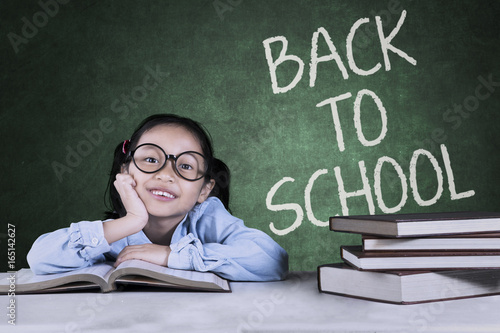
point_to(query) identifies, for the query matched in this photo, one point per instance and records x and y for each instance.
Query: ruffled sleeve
(188, 253)
(79, 246)
(211, 239)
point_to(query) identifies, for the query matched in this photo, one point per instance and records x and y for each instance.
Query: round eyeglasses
(150, 158)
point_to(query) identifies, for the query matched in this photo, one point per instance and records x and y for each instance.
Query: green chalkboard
(320, 108)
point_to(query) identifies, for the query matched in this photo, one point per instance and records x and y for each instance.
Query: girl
(170, 198)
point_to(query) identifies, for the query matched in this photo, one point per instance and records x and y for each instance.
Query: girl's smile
(163, 194)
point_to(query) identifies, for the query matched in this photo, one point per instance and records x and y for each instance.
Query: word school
(367, 189)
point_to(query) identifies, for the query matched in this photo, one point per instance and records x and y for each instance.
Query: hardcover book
(419, 260)
(418, 224)
(407, 287)
(478, 242)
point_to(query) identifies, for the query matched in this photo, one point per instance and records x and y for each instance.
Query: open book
(108, 278)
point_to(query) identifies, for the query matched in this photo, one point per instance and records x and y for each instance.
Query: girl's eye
(185, 166)
(151, 160)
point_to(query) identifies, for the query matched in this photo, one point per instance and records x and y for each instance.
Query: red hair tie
(125, 146)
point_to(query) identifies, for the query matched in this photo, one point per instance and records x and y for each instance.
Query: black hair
(217, 169)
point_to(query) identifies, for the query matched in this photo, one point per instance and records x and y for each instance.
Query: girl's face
(164, 193)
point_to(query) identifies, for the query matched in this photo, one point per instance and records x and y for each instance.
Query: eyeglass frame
(167, 157)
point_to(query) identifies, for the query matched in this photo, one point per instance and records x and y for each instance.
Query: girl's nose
(168, 171)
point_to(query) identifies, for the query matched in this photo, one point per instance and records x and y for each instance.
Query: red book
(419, 224)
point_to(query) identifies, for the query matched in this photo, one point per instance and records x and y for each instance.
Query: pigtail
(111, 197)
(222, 176)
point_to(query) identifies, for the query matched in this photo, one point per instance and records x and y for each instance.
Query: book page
(206, 277)
(26, 277)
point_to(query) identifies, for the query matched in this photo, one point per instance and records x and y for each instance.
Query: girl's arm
(221, 243)
(250, 257)
(85, 243)
(79, 246)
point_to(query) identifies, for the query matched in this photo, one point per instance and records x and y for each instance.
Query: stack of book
(413, 258)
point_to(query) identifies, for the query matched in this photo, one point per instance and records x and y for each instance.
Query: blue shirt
(209, 238)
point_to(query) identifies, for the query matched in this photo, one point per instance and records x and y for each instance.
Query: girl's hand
(137, 216)
(125, 185)
(153, 253)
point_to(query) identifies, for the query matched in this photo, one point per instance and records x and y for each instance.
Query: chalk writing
(372, 193)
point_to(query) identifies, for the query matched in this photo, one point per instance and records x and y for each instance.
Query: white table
(293, 305)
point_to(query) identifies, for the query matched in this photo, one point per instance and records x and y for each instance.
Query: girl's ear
(205, 190)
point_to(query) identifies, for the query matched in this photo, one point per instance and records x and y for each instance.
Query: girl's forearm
(120, 228)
